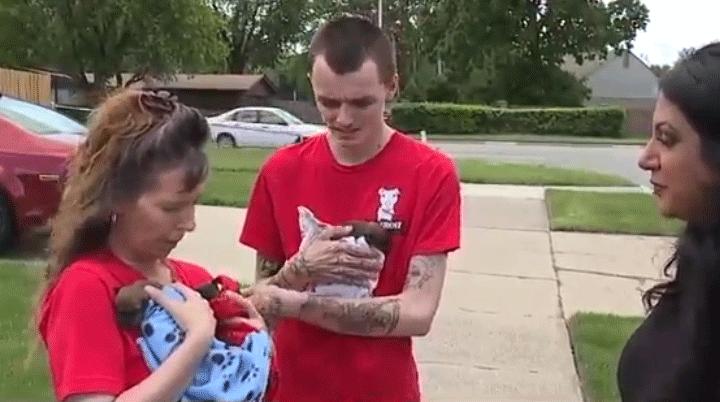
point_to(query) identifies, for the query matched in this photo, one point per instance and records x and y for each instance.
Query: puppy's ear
(208, 290)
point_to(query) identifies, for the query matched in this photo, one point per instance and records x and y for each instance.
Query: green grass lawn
(598, 340)
(228, 188)
(628, 213)
(239, 160)
(18, 283)
(234, 172)
(480, 171)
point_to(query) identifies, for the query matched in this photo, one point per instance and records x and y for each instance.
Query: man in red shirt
(344, 349)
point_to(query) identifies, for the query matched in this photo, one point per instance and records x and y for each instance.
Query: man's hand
(326, 259)
(273, 303)
(254, 318)
(409, 313)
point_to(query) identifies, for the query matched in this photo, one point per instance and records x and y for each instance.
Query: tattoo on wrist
(281, 279)
(273, 312)
(298, 266)
(362, 318)
(422, 269)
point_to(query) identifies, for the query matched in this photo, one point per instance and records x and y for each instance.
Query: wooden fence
(31, 87)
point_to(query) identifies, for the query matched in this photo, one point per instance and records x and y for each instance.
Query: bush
(444, 118)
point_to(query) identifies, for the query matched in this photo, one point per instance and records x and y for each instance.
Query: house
(210, 93)
(215, 93)
(622, 80)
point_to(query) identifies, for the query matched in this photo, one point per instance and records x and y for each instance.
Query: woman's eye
(666, 138)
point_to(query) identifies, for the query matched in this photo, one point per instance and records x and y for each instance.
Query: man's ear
(391, 88)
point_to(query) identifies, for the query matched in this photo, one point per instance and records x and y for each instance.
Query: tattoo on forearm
(299, 265)
(422, 269)
(274, 310)
(361, 318)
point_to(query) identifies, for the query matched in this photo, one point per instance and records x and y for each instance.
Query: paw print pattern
(228, 372)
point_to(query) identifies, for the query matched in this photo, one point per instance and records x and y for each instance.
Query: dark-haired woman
(675, 354)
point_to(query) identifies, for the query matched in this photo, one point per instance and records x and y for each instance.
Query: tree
(19, 32)
(685, 53)
(535, 34)
(660, 70)
(259, 32)
(108, 37)
(401, 22)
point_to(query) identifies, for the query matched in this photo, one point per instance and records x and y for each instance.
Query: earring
(113, 218)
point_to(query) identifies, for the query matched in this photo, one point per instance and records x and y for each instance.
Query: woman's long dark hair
(693, 85)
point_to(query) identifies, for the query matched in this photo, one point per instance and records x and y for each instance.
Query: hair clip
(157, 102)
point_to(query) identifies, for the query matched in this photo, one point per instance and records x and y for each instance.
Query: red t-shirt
(410, 186)
(88, 351)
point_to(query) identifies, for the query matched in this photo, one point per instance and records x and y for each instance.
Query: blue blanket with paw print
(227, 373)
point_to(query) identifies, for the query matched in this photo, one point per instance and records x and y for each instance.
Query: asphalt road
(615, 159)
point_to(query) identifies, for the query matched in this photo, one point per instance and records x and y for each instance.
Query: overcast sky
(677, 24)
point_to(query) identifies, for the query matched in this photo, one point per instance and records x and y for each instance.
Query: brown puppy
(374, 234)
(131, 301)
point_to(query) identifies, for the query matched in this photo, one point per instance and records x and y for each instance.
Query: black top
(670, 356)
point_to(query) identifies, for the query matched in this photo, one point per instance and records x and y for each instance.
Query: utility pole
(380, 10)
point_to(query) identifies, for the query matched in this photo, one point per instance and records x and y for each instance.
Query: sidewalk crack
(563, 316)
(462, 271)
(608, 274)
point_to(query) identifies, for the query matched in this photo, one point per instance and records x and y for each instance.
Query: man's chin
(345, 138)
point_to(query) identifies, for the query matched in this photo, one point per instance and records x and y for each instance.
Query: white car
(262, 127)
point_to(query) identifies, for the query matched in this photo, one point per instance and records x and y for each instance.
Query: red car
(31, 171)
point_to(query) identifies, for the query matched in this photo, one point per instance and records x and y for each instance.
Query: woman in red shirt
(129, 199)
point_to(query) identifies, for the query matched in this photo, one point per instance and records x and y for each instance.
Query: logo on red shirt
(386, 212)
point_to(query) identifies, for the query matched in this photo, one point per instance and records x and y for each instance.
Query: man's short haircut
(348, 41)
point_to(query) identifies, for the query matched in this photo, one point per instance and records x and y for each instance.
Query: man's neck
(348, 156)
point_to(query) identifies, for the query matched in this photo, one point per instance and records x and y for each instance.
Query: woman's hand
(193, 315)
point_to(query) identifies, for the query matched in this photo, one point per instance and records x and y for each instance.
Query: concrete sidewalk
(500, 332)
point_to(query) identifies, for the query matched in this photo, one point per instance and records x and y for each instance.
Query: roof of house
(227, 82)
(232, 82)
(590, 67)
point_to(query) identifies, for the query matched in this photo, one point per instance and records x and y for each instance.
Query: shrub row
(444, 118)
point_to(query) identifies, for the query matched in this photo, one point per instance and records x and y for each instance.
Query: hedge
(444, 118)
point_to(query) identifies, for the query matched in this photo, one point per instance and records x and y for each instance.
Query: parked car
(32, 168)
(42, 120)
(259, 127)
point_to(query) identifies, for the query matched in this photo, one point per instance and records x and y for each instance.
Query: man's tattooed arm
(372, 317)
(285, 275)
(423, 269)
(408, 314)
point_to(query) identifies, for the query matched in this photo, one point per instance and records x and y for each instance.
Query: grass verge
(619, 213)
(234, 172)
(536, 139)
(18, 283)
(598, 340)
(480, 171)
